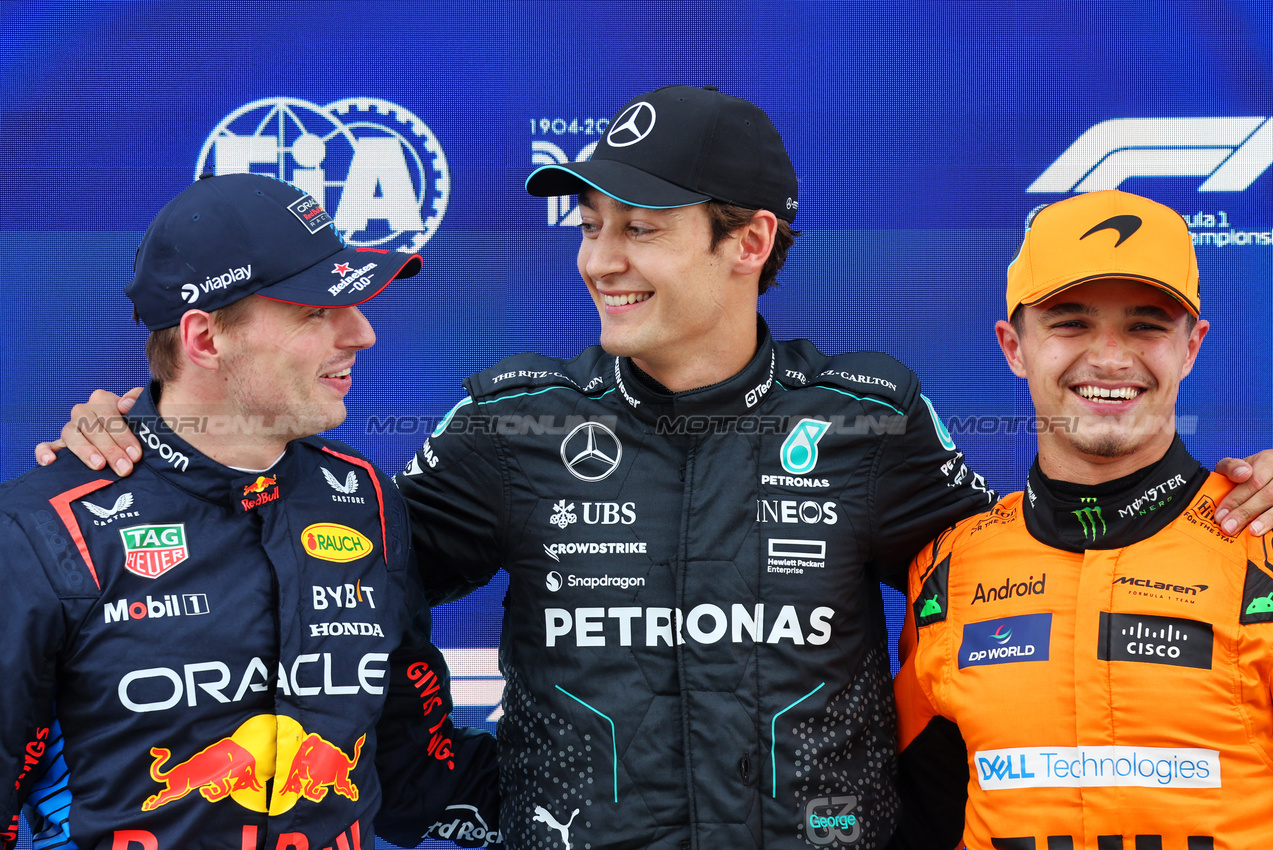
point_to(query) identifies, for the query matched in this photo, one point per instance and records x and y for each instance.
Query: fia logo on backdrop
(374, 165)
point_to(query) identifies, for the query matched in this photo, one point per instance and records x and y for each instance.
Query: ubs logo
(591, 452)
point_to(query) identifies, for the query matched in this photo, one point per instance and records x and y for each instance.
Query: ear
(200, 339)
(1010, 344)
(1195, 342)
(755, 241)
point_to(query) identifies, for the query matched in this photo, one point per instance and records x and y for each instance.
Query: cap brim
(619, 180)
(1120, 275)
(324, 284)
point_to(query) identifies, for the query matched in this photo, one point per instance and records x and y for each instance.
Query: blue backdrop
(923, 135)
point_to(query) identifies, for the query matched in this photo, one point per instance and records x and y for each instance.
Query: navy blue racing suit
(235, 659)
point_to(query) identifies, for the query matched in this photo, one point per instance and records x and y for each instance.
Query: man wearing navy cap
(236, 650)
(693, 642)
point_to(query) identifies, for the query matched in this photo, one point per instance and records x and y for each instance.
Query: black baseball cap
(230, 236)
(681, 145)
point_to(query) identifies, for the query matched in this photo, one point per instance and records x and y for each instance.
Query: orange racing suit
(1105, 654)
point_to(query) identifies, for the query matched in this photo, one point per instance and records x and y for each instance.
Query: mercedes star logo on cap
(632, 126)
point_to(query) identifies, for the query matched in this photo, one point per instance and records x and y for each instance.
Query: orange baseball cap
(1107, 234)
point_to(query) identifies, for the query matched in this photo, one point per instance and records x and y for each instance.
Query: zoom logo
(1230, 152)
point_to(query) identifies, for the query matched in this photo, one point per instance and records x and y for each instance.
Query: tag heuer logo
(152, 550)
(331, 542)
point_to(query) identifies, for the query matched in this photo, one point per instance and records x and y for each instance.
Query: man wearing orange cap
(1089, 664)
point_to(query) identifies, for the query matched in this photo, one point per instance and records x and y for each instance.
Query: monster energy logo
(1089, 517)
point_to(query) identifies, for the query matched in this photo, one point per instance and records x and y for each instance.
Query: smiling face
(287, 360)
(683, 312)
(1103, 361)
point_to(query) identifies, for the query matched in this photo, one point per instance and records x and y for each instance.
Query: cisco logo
(374, 165)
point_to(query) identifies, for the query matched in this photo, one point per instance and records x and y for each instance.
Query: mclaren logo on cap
(1126, 225)
(636, 122)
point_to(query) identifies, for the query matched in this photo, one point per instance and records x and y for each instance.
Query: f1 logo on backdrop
(375, 165)
(1230, 152)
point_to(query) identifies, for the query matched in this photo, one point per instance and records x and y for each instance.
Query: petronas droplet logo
(800, 450)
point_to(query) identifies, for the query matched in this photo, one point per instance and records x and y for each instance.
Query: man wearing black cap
(693, 642)
(238, 649)
(693, 636)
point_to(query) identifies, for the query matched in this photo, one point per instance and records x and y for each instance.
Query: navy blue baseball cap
(680, 145)
(230, 236)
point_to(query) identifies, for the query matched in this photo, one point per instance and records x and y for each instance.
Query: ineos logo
(634, 124)
(591, 451)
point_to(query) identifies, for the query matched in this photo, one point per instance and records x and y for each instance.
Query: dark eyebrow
(1145, 311)
(1149, 311)
(1067, 308)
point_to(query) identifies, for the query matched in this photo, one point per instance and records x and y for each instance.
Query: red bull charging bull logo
(262, 491)
(260, 485)
(263, 748)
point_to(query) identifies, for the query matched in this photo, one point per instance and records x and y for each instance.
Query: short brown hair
(728, 218)
(163, 347)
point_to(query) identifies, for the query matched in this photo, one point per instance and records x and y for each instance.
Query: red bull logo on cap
(238, 767)
(332, 542)
(152, 550)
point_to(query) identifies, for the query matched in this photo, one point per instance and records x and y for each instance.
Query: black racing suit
(693, 635)
(237, 659)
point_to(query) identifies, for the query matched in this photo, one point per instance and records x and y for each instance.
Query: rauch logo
(332, 542)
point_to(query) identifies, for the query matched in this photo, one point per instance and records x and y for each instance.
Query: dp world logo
(378, 168)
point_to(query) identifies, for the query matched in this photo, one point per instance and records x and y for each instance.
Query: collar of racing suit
(1115, 514)
(734, 396)
(185, 466)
